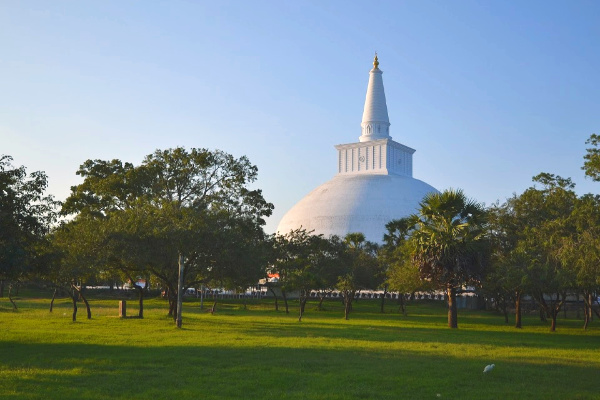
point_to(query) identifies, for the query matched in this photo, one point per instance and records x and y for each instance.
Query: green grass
(259, 353)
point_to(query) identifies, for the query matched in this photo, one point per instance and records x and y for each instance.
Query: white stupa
(374, 183)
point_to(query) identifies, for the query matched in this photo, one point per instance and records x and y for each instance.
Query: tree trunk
(82, 297)
(303, 298)
(180, 291)
(348, 297)
(452, 312)
(401, 302)
(303, 301)
(172, 308)
(557, 305)
(87, 306)
(518, 309)
(383, 300)
(320, 307)
(285, 301)
(53, 297)
(214, 306)
(588, 302)
(201, 296)
(2, 288)
(171, 296)
(591, 302)
(74, 298)
(553, 324)
(141, 301)
(10, 297)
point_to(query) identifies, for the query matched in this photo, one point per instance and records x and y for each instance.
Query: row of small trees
(182, 217)
(187, 218)
(546, 243)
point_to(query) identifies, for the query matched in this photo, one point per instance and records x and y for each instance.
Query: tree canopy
(178, 206)
(26, 216)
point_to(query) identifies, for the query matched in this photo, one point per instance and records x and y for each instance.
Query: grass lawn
(259, 353)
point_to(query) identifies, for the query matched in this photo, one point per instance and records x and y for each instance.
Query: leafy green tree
(173, 209)
(547, 212)
(584, 249)
(79, 255)
(308, 262)
(297, 253)
(362, 269)
(402, 275)
(238, 256)
(580, 251)
(329, 265)
(506, 276)
(26, 215)
(283, 265)
(591, 165)
(294, 262)
(450, 244)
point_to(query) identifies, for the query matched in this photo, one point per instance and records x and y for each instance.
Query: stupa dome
(356, 203)
(374, 184)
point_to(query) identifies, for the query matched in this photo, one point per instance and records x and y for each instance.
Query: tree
(296, 253)
(173, 208)
(294, 262)
(26, 215)
(307, 262)
(580, 251)
(283, 265)
(591, 165)
(362, 269)
(585, 248)
(239, 257)
(329, 265)
(402, 275)
(78, 256)
(547, 212)
(506, 276)
(450, 243)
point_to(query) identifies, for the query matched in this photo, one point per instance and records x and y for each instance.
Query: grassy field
(259, 353)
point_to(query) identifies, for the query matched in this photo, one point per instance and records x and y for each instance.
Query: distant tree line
(185, 218)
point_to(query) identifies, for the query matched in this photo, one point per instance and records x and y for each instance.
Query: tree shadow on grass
(80, 371)
(379, 333)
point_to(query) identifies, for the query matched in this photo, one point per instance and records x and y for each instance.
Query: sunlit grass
(258, 353)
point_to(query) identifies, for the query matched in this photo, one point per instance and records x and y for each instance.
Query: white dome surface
(356, 203)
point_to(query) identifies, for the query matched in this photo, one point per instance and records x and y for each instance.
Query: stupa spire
(375, 121)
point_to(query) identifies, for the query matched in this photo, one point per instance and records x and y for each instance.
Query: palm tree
(449, 242)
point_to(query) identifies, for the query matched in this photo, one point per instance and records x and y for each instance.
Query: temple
(374, 183)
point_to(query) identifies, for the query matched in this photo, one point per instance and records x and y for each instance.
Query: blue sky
(489, 93)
